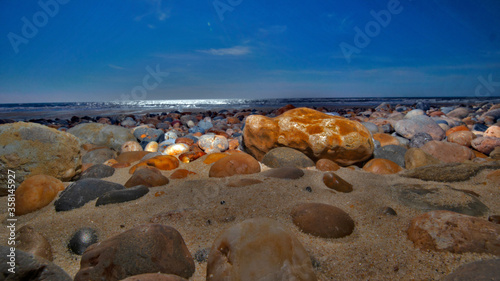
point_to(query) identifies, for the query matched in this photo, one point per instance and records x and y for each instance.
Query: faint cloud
(233, 51)
(116, 67)
(157, 10)
(275, 29)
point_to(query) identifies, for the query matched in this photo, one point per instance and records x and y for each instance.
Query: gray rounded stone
(286, 157)
(395, 153)
(100, 134)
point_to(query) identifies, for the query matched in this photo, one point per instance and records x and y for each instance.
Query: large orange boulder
(316, 134)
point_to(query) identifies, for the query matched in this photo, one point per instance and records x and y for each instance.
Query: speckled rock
(149, 248)
(448, 152)
(485, 144)
(493, 131)
(483, 270)
(322, 220)
(131, 146)
(107, 135)
(382, 167)
(316, 134)
(31, 241)
(286, 157)
(35, 193)
(419, 139)
(213, 143)
(26, 264)
(419, 124)
(258, 249)
(147, 134)
(234, 164)
(33, 149)
(416, 157)
(453, 232)
(395, 153)
(98, 156)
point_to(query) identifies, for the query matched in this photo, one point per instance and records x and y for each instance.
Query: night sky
(70, 50)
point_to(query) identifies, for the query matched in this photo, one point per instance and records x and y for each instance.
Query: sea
(65, 110)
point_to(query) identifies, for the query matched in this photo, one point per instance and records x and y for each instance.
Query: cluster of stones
(438, 144)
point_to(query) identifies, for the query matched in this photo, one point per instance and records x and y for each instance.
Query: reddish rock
(121, 165)
(316, 134)
(485, 144)
(131, 156)
(162, 162)
(233, 144)
(148, 177)
(463, 138)
(416, 157)
(232, 120)
(181, 174)
(385, 139)
(327, 165)
(30, 241)
(322, 220)
(187, 141)
(214, 157)
(382, 166)
(453, 232)
(35, 193)
(235, 164)
(333, 181)
(284, 109)
(191, 156)
(493, 131)
(150, 248)
(448, 152)
(457, 129)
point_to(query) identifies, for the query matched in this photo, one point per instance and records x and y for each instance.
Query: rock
(322, 220)
(98, 171)
(333, 181)
(191, 156)
(495, 154)
(32, 149)
(463, 138)
(483, 270)
(258, 249)
(162, 162)
(243, 182)
(35, 193)
(430, 197)
(98, 156)
(414, 113)
(81, 240)
(395, 153)
(234, 164)
(419, 124)
(122, 195)
(494, 176)
(214, 157)
(448, 172)
(181, 174)
(213, 143)
(175, 149)
(131, 156)
(284, 173)
(419, 139)
(385, 139)
(27, 265)
(416, 157)
(155, 276)
(107, 135)
(453, 232)
(152, 146)
(460, 128)
(485, 144)
(147, 134)
(458, 113)
(327, 165)
(30, 241)
(382, 167)
(83, 191)
(315, 134)
(494, 219)
(130, 146)
(286, 157)
(148, 176)
(150, 248)
(388, 211)
(371, 127)
(448, 152)
(493, 131)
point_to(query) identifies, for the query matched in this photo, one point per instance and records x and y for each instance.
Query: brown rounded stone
(453, 232)
(327, 165)
(235, 164)
(456, 129)
(463, 138)
(131, 156)
(448, 152)
(147, 176)
(36, 192)
(416, 157)
(385, 139)
(187, 141)
(322, 220)
(382, 166)
(121, 165)
(485, 144)
(316, 134)
(181, 174)
(30, 241)
(214, 157)
(149, 248)
(162, 162)
(493, 131)
(333, 181)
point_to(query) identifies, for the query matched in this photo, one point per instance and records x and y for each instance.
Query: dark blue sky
(70, 50)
